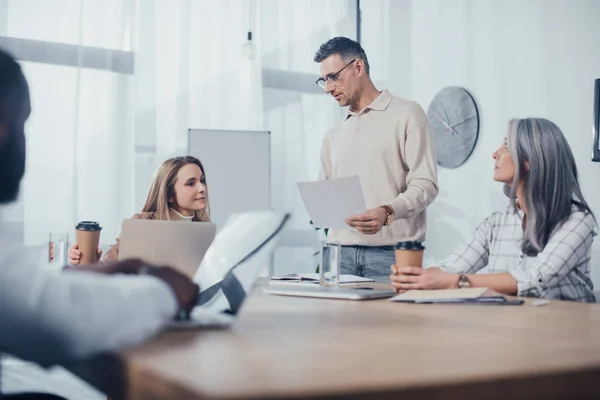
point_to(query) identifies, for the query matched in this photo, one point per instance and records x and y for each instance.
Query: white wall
(534, 58)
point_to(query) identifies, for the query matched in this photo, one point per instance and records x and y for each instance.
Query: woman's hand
(410, 278)
(75, 255)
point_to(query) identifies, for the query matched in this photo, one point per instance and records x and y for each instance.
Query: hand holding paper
(329, 203)
(369, 222)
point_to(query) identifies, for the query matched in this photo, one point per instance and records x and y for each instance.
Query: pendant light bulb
(249, 48)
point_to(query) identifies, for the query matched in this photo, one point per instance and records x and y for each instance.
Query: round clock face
(454, 122)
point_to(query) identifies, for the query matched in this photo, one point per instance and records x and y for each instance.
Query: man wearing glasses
(385, 140)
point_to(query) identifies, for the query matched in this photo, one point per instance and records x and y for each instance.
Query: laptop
(331, 292)
(228, 273)
(180, 245)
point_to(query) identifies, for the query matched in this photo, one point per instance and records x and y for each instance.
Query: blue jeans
(367, 261)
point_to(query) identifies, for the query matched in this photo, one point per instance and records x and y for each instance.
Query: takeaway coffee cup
(88, 239)
(409, 254)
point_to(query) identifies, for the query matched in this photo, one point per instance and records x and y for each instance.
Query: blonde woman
(178, 193)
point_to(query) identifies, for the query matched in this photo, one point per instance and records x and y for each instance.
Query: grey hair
(346, 48)
(544, 160)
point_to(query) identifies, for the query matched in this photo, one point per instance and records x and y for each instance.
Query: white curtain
(298, 113)
(296, 110)
(190, 73)
(80, 133)
(147, 71)
(96, 136)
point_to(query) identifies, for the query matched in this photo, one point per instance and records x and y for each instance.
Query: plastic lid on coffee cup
(409, 246)
(88, 226)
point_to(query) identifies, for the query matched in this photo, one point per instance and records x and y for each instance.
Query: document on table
(444, 295)
(314, 278)
(329, 203)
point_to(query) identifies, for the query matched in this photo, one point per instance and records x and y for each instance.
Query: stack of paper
(313, 279)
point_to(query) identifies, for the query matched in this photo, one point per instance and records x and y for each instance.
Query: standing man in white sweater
(50, 317)
(385, 140)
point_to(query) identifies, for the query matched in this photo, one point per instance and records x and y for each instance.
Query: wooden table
(284, 347)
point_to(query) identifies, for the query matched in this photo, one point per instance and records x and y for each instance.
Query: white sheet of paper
(330, 202)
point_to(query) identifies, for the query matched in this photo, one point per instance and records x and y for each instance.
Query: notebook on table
(311, 279)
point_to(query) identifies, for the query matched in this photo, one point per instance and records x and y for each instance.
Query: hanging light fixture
(249, 48)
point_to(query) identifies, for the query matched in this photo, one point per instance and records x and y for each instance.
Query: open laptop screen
(231, 266)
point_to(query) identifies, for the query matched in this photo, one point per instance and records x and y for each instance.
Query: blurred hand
(369, 222)
(185, 290)
(75, 255)
(128, 267)
(410, 278)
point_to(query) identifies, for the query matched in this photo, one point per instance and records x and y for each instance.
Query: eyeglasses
(330, 78)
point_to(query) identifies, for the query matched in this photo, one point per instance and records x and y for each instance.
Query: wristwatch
(463, 282)
(389, 215)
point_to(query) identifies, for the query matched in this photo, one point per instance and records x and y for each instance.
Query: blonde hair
(163, 188)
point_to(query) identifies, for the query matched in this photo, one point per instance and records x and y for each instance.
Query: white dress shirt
(48, 317)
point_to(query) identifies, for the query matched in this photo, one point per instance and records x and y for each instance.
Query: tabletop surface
(308, 348)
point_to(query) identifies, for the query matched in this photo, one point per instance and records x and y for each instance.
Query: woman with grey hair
(540, 245)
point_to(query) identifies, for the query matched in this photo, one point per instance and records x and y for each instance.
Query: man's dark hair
(347, 49)
(13, 87)
(14, 108)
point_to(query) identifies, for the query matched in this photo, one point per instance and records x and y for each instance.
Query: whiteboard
(237, 165)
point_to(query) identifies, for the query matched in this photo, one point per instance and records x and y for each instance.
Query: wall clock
(454, 122)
